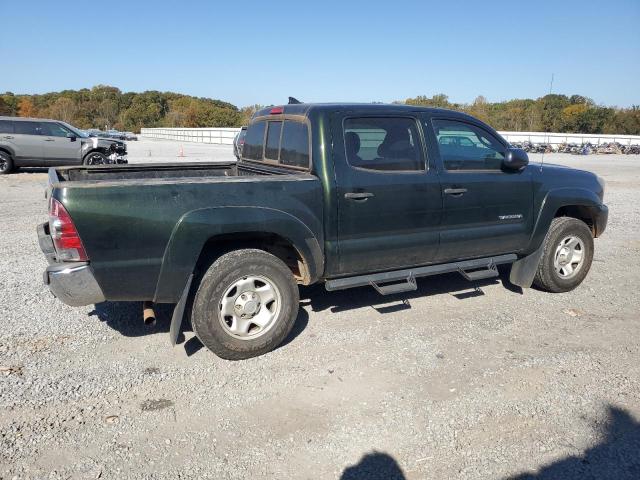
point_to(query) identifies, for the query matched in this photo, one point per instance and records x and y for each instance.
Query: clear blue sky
(261, 52)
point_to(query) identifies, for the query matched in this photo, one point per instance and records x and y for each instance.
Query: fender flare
(9, 150)
(196, 227)
(553, 201)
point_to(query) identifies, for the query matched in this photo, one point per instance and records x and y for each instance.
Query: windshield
(77, 132)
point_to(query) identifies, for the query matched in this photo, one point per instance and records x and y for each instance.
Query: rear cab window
(282, 142)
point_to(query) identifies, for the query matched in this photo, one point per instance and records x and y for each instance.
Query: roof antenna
(547, 142)
(294, 101)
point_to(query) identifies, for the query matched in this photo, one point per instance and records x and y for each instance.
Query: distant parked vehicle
(34, 142)
(116, 134)
(130, 136)
(238, 142)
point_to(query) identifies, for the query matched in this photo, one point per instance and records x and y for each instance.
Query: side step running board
(470, 269)
(489, 271)
(408, 285)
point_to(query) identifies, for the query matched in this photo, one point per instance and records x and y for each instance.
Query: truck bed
(161, 170)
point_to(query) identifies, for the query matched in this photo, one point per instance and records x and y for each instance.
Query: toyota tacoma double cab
(344, 194)
(35, 142)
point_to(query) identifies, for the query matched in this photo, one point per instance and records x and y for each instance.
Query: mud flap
(178, 313)
(524, 270)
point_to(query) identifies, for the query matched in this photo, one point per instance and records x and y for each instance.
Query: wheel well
(94, 150)
(269, 242)
(580, 212)
(7, 152)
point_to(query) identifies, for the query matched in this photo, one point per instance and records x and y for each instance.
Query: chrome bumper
(72, 283)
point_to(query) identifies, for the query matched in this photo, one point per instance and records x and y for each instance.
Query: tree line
(104, 106)
(551, 113)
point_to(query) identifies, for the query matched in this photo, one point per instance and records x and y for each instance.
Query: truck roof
(306, 108)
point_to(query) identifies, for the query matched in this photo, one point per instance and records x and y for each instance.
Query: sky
(261, 52)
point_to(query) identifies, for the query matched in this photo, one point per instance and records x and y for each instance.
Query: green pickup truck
(345, 194)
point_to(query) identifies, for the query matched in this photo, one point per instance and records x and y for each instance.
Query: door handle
(8, 137)
(456, 192)
(49, 140)
(358, 196)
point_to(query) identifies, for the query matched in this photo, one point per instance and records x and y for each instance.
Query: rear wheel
(96, 158)
(6, 163)
(567, 257)
(246, 304)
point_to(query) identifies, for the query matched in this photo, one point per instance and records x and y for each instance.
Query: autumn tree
(26, 108)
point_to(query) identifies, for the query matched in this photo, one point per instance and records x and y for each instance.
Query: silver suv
(34, 142)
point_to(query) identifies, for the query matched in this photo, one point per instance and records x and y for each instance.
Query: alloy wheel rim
(569, 257)
(3, 164)
(250, 307)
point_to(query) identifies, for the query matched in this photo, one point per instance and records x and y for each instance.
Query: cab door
(486, 209)
(389, 199)
(61, 145)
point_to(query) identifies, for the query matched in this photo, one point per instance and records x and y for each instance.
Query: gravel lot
(456, 380)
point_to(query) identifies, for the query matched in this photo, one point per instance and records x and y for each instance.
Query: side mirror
(71, 137)
(515, 159)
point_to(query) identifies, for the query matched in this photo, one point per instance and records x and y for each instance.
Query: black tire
(548, 277)
(6, 163)
(95, 158)
(206, 315)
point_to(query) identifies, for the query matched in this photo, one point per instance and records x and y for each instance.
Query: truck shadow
(126, 317)
(320, 300)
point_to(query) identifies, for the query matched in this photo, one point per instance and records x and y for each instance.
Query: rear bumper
(71, 283)
(601, 218)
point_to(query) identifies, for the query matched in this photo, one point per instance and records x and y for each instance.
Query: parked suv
(33, 142)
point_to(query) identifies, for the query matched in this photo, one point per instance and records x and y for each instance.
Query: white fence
(224, 136)
(579, 138)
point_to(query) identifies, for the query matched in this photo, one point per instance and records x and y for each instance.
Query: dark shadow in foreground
(616, 457)
(374, 466)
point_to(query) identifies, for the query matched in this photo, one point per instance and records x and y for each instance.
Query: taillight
(276, 110)
(65, 237)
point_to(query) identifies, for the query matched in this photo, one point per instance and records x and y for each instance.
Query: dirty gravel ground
(451, 381)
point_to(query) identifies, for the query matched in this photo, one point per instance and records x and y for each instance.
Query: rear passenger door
(389, 200)
(28, 143)
(487, 210)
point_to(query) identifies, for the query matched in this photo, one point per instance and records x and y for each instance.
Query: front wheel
(96, 158)
(567, 257)
(246, 304)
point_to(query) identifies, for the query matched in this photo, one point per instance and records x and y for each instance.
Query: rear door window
(294, 150)
(27, 128)
(254, 141)
(376, 143)
(272, 149)
(6, 126)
